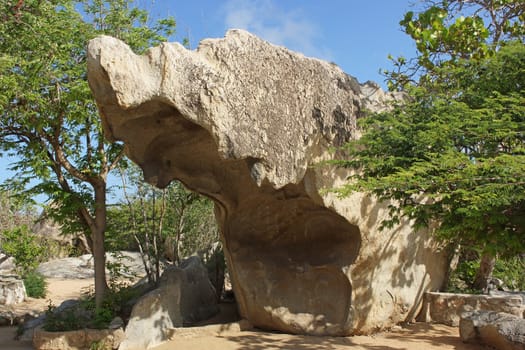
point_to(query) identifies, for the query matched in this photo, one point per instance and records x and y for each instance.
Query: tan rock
(78, 340)
(244, 122)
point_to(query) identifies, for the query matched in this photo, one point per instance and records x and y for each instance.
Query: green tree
(48, 117)
(453, 152)
(164, 224)
(448, 31)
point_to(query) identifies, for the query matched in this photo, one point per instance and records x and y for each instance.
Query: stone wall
(447, 308)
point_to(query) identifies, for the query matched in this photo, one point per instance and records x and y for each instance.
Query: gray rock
(447, 308)
(500, 330)
(69, 268)
(12, 290)
(82, 266)
(245, 123)
(7, 264)
(198, 297)
(185, 296)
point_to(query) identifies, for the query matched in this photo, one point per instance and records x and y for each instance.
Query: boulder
(82, 266)
(185, 296)
(12, 290)
(248, 124)
(51, 231)
(7, 265)
(198, 300)
(497, 329)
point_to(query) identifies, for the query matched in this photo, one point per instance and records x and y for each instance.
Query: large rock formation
(245, 122)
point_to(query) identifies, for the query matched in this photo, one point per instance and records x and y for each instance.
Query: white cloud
(276, 25)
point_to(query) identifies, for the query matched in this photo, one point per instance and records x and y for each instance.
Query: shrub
(508, 269)
(64, 320)
(24, 246)
(36, 285)
(511, 272)
(86, 315)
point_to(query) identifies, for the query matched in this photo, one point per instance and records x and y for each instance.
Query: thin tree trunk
(135, 230)
(99, 251)
(484, 274)
(453, 260)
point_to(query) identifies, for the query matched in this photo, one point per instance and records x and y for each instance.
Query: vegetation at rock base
(166, 224)
(35, 284)
(28, 252)
(48, 117)
(451, 156)
(24, 246)
(85, 314)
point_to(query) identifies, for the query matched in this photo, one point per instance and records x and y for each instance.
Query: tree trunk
(99, 251)
(453, 260)
(484, 274)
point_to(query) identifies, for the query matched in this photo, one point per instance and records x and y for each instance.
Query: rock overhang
(243, 122)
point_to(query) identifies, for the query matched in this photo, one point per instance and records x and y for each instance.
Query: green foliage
(24, 246)
(48, 118)
(169, 223)
(454, 154)
(446, 32)
(67, 320)
(36, 285)
(451, 155)
(509, 270)
(85, 314)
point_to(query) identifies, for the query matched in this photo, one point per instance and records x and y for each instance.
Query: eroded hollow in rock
(288, 255)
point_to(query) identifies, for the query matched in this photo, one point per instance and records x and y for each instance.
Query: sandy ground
(413, 337)
(58, 290)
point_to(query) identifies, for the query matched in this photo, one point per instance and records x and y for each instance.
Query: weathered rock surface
(497, 329)
(243, 122)
(48, 229)
(104, 339)
(7, 264)
(447, 308)
(185, 296)
(12, 290)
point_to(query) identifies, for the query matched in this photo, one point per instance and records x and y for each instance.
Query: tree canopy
(452, 154)
(48, 117)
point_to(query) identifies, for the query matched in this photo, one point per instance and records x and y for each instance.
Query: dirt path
(413, 337)
(58, 290)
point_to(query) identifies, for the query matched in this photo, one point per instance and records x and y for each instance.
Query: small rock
(117, 322)
(12, 290)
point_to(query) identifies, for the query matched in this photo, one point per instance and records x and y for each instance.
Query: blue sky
(357, 35)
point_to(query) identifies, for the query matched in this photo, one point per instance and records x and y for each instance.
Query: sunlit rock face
(247, 123)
